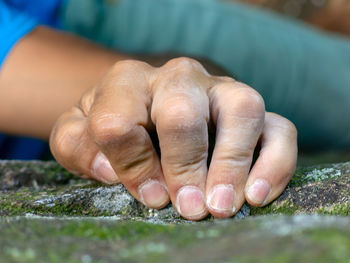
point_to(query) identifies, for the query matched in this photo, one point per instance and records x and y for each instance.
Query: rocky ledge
(48, 215)
(46, 189)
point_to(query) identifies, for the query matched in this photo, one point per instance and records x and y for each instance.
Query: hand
(107, 137)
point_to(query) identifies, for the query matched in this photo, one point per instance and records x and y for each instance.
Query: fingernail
(153, 194)
(259, 191)
(221, 198)
(102, 170)
(190, 202)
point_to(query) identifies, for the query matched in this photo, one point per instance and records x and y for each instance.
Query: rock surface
(263, 239)
(45, 188)
(48, 215)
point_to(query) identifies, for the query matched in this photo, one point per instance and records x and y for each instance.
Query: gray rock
(48, 215)
(45, 188)
(263, 239)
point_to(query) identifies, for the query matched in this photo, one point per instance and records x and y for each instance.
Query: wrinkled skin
(107, 137)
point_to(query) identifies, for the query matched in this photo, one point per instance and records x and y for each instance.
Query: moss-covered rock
(256, 239)
(48, 215)
(45, 188)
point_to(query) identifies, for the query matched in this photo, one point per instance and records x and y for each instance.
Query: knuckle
(282, 123)
(225, 79)
(235, 156)
(180, 115)
(86, 101)
(180, 170)
(64, 140)
(250, 100)
(244, 102)
(184, 64)
(109, 128)
(128, 65)
(290, 127)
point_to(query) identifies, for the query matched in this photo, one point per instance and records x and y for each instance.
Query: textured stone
(263, 239)
(48, 215)
(45, 188)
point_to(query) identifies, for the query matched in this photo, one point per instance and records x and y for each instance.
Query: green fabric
(303, 74)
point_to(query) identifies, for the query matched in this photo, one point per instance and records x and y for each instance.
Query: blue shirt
(17, 18)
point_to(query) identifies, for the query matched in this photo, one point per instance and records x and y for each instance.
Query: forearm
(44, 75)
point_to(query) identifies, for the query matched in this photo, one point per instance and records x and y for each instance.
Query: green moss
(134, 231)
(285, 208)
(257, 239)
(340, 243)
(62, 209)
(13, 209)
(336, 209)
(298, 179)
(21, 207)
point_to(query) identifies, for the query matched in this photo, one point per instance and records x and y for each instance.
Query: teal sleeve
(303, 74)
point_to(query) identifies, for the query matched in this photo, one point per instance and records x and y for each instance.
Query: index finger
(117, 122)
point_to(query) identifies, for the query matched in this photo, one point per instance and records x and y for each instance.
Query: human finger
(73, 148)
(238, 112)
(180, 112)
(276, 162)
(117, 123)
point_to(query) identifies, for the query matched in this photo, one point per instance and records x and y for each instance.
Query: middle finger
(181, 112)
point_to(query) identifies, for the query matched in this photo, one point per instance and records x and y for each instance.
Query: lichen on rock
(45, 188)
(48, 215)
